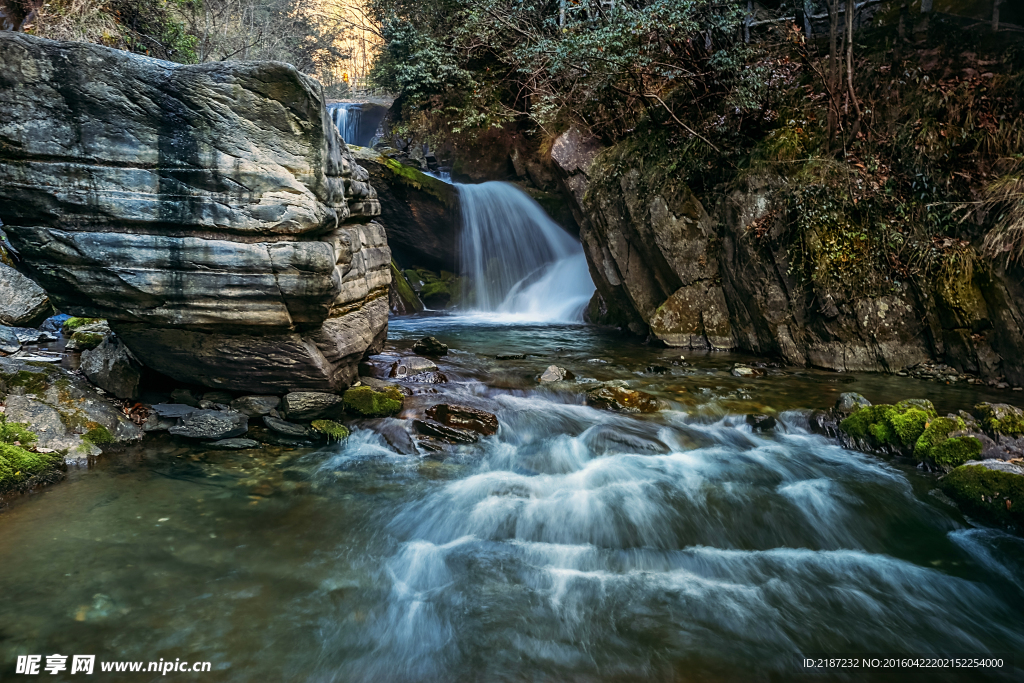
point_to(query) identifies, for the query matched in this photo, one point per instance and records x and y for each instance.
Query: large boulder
(24, 303)
(210, 212)
(113, 368)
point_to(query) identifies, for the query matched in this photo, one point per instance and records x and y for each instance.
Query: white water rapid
(520, 265)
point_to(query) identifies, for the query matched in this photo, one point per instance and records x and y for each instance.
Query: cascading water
(520, 265)
(346, 118)
(358, 123)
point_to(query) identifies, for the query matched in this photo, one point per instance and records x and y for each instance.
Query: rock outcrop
(719, 274)
(210, 212)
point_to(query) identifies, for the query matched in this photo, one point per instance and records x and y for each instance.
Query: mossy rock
(72, 324)
(404, 289)
(367, 402)
(18, 465)
(938, 446)
(1000, 418)
(991, 494)
(32, 381)
(898, 426)
(331, 429)
(87, 340)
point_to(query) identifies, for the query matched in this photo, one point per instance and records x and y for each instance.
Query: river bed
(575, 545)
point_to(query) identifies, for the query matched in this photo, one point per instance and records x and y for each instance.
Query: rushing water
(520, 265)
(355, 124)
(574, 545)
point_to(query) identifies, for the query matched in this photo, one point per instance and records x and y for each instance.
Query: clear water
(575, 545)
(520, 265)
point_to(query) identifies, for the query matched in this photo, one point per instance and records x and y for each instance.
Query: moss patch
(1000, 418)
(98, 436)
(938, 446)
(72, 324)
(331, 429)
(404, 289)
(898, 426)
(369, 403)
(87, 340)
(33, 382)
(990, 495)
(18, 465)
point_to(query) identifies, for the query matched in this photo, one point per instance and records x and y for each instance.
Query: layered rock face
(721, 278)
(211, 212)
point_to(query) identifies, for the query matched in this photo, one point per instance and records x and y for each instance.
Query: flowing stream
(574, 545)
(520, 265)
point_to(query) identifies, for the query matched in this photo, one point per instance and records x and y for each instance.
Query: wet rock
(429, 378)
(760, 422)
(232, 444)
(329, 429)
(211, 425)
(9, 342)
(622, 399)
(510, 356)
(430, 346)
(444, 432)
(657, 370)
(113, 368)
(991, 490)
(368, 402)
(285, 428)
(824, 423)
(219, 397)
(27, 335)
(848, 402)
(553, 373)
(311, 405)
(740, 370)
(186, 396)
(24, 303)
(255, 406)
(395, 433)
(411, 365)
(382, 385)
(464, 417)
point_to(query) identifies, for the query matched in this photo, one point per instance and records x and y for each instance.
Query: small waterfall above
(359, 123)
(520, 265)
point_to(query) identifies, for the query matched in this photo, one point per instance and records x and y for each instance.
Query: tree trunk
(995, 14)
(833, 67)
(851, 10)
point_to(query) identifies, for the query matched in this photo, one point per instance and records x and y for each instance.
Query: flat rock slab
(312, 405)
(211, 425)
(285, 428)
(255, 406)
(464, 417)
(430, 346)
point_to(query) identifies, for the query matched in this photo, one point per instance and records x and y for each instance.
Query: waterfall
(519, 264)
(359, 123)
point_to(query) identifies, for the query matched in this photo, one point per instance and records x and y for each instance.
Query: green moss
(899, 425)
(98, 435)
(87, 340)
(369, 403)
(404, 289)
(32, 382)
(936, 444)
(17, 463)
(72, 324)
(331, 429)
(990, 495)
(421, 181)
(1000, 418)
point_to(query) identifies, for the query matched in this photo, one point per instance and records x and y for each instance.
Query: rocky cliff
(721, 272)
(210, 212)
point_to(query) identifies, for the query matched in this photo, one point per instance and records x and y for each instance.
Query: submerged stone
(211, 425)
(232, 444)
(622, 399)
